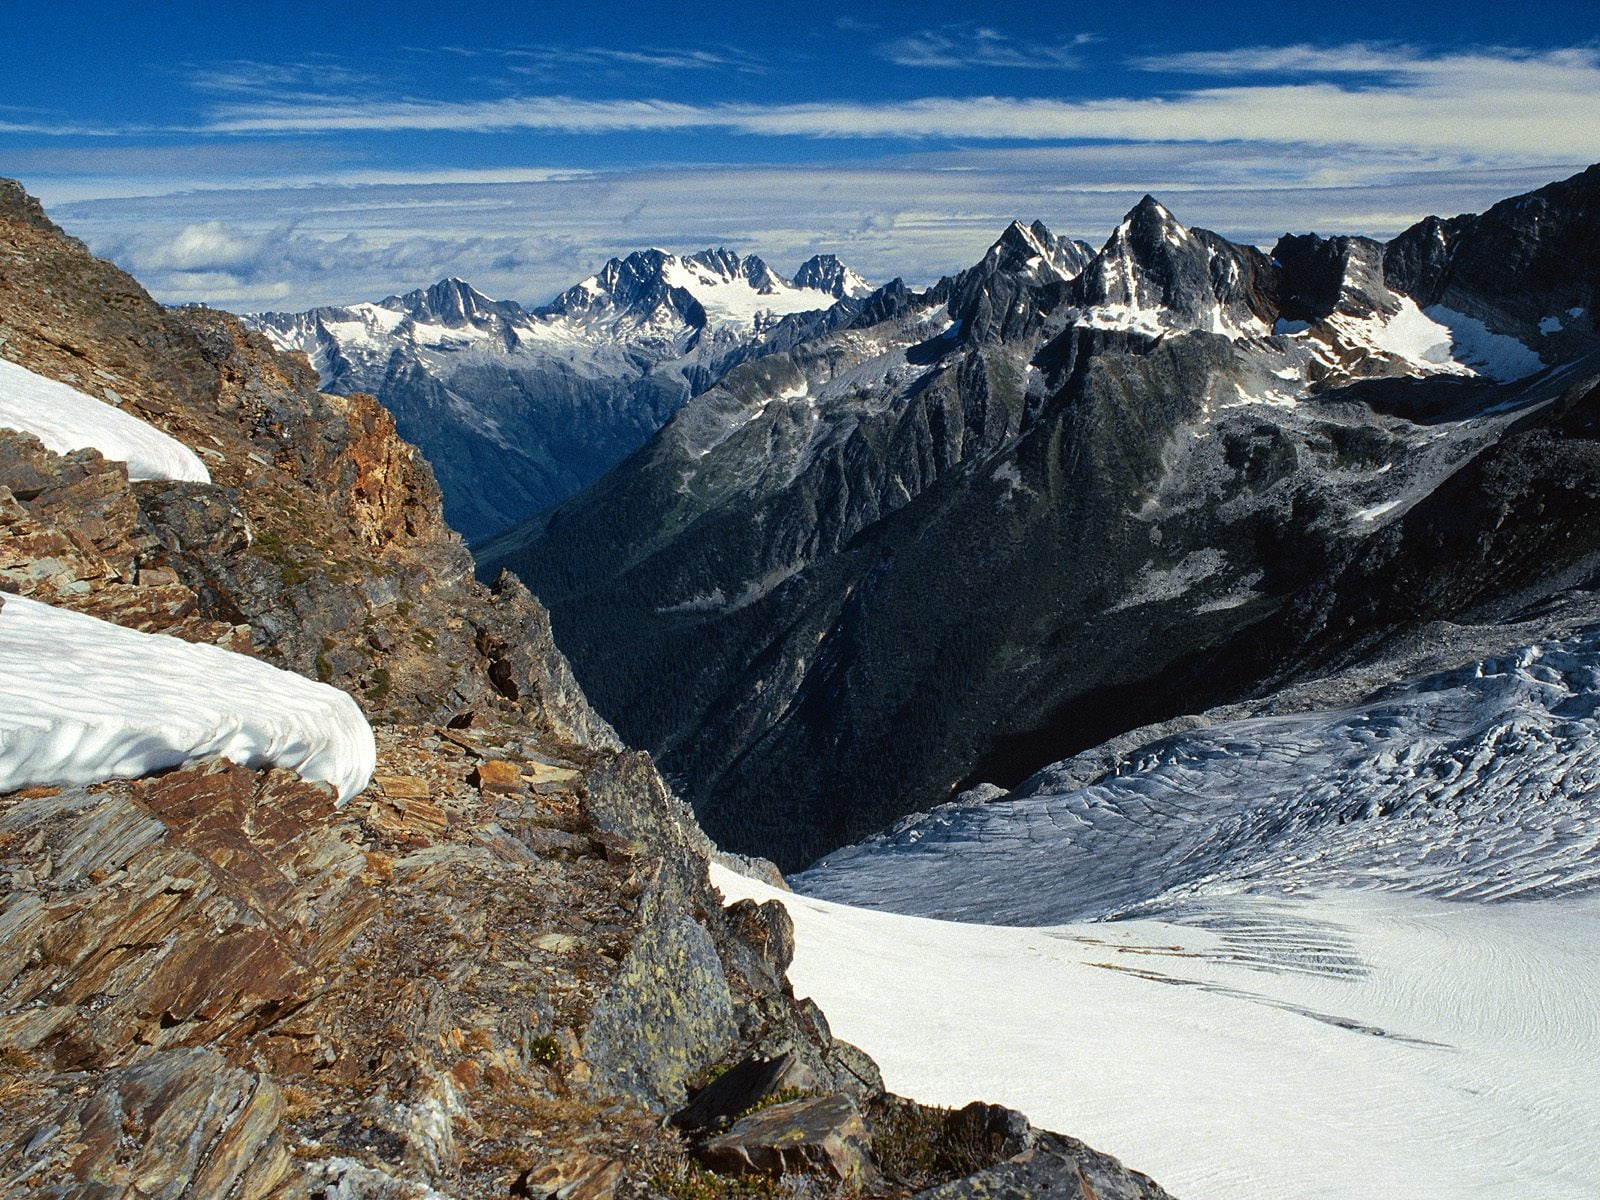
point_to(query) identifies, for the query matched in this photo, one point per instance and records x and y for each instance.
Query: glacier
(1295, 955)
(1478, 783)
(66, 419)
(83, 700)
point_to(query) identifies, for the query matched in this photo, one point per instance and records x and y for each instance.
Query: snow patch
(1496, 355)
(82, 700)
(1371, 929)
(1010, 474)
(1378, 510)
(65, 419)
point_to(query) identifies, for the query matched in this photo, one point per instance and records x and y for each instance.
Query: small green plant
(690, 1181)
(545, 1050)
(781, 1096)
(380, 685)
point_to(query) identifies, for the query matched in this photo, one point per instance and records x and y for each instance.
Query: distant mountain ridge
(954, 535)
(517, 407)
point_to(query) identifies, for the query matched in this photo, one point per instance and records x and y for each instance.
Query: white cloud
(317, 76)
(546, 60)
(541, 60)
(1368, 58)
(1515, 104)
(918, 216)
(963, 46)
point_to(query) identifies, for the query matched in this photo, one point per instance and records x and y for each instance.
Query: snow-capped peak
(1154, 275)
(449, 302)
(715, 288)
(1033, 249)
(1148, 226)
(825, 273)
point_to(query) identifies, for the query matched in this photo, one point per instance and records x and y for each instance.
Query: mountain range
(517, 408)
(950, 536)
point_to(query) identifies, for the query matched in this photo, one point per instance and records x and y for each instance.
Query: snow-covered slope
(1312, 955)
(1321, 1047)
(65, 419)
(83, 700)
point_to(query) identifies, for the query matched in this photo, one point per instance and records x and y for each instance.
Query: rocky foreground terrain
(499, 971)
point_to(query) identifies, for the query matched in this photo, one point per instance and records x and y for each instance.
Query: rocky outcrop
(179, 1123)
(822, 1135)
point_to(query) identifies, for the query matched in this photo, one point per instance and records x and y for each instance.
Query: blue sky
(285, 154)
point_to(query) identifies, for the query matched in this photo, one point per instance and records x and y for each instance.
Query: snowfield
(82, 700)
(1330, 1047)
(1311, 956)
(65, 419)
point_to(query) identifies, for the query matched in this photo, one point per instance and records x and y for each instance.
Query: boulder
(822, 1135)
(742, 1087)
(498, 775)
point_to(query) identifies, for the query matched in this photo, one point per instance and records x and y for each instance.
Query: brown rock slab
(157, 577)
(579, 1177)
(741, 1088)
(823, 1135)
(538, 772)
(498, 776)
(179, 1124)
(402, 787)
(419, 822)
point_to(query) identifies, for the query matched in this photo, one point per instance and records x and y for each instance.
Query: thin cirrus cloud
(965, 48)
(1499, 103)
(1360, 58)
(538, 60)
(550, 59)
(248, 77)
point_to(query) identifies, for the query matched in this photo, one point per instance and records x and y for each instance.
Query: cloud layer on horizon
(304, 182)
(918, 218)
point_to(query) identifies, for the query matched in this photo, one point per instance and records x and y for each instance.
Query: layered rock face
(965, 532)
(493, 972)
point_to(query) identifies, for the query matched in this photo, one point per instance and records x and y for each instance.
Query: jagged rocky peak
(1546, 239)
(1154, 274)
(1022, 276)
(826, 273)
(451, 302)
(1320, 276)
(627, 282)
(724, 266)
(1033, 248)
